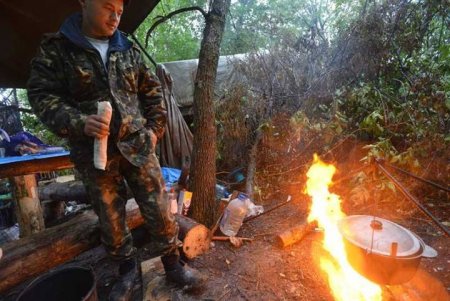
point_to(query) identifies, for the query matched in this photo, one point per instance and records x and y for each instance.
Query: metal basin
(382, 251)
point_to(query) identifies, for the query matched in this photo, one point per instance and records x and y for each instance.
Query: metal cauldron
(382, 251)
(68, 284)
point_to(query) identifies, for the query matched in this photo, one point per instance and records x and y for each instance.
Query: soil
(260, 270)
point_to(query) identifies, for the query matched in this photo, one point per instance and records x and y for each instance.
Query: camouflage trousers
(108, 194)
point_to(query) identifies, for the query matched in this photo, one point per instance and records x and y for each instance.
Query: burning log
(37, 253)
(196, 237)
(295, 234)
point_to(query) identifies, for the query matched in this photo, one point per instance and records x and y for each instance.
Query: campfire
(344, 281)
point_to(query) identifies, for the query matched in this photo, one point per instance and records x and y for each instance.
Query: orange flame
(346, 284)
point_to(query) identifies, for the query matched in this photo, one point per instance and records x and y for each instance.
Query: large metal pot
(71, 283)
(382, 251)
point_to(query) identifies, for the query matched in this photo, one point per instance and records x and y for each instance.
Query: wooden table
(31, 164)
(21, 171)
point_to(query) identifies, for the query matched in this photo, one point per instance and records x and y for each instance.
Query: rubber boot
(129, 271)
(180, 274)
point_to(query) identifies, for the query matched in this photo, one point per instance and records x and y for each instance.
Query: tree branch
(162, 19)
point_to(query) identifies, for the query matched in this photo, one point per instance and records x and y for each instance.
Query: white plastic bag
(253, 209)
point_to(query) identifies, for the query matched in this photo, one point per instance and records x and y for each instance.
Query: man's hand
(96, 126)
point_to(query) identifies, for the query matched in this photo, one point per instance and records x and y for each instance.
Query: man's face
(101, 17)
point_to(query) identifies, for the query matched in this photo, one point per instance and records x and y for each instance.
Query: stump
(196, 237)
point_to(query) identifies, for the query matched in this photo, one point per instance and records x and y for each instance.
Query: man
(88, 61)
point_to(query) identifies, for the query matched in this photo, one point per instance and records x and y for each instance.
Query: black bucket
(66, 284)
(7, 215)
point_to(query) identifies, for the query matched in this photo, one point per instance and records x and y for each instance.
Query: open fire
(345, 283)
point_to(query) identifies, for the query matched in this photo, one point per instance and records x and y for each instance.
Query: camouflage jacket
(68, 78)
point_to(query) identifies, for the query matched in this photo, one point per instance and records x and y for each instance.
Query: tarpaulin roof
(183, 75)
(22, 23)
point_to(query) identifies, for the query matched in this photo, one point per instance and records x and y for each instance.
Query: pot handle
(429, 252)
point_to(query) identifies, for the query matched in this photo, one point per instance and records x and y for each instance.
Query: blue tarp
(25, 143)
(170, 175)
(23, 158)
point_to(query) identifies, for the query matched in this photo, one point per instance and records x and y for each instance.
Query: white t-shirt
(101, 46)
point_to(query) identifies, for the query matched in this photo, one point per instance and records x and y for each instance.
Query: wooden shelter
(22, 24)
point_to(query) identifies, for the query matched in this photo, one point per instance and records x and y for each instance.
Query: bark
(36, 254)
(203, 168)
(28, 209)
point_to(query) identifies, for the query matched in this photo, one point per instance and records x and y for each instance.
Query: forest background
(320, 74)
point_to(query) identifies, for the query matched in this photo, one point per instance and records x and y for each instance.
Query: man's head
(101, 17)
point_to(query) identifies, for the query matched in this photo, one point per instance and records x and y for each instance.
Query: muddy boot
(129, 271)
(181, 275)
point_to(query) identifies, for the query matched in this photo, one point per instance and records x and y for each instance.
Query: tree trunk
(203, 168)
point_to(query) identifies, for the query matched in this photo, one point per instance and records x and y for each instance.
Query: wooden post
(28, 207)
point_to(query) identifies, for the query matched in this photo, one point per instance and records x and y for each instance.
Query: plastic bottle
(234, 215)
(221, 192)
(172, 195)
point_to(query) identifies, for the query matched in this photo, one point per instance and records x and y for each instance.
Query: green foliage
(178, 38)
(254, 25)
(251, 25)
(32, 124)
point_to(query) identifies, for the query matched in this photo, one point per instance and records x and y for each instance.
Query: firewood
(196, 237)
(37, 253)
(67, 191)
(295, 234)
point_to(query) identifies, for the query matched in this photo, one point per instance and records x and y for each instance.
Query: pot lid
(389, 238)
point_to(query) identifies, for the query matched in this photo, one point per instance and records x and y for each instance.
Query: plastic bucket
(68, 284)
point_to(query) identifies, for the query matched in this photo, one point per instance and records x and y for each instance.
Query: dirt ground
(260, 270)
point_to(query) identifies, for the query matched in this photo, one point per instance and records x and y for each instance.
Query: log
(37, 253)
(295, 234)
(28, 209)
(196, 237)
(67, 191)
